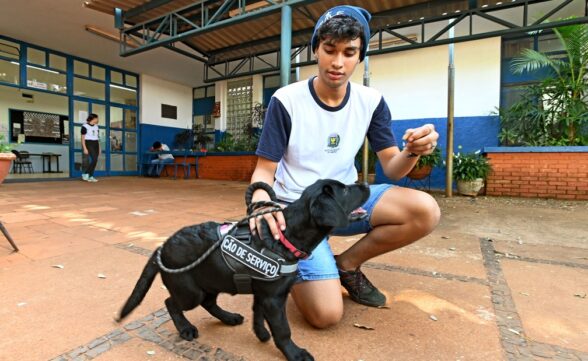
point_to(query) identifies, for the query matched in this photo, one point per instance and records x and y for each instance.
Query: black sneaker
(361, 289)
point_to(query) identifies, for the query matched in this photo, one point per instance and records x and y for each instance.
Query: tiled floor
(499, 279)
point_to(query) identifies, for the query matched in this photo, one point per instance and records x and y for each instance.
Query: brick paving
(450, 297)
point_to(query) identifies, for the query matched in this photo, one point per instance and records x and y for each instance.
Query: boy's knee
(325, 318)
(429, 211)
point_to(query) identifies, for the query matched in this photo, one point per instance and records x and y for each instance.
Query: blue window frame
(91, 88)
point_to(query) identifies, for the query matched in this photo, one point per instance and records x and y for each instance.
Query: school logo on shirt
(333, 143)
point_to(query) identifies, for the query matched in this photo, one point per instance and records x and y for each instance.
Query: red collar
(298, 253)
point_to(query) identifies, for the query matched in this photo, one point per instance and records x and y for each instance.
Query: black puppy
(323, 206)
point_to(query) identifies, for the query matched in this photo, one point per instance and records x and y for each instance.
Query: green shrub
(4, 147)
(434, 159)
(470, 166)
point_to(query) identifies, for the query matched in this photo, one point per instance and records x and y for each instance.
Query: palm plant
(564, 94)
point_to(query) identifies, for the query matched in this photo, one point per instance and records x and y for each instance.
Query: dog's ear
(326, 211)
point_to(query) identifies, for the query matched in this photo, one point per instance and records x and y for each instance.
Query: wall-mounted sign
(216, 110)
(36, 84)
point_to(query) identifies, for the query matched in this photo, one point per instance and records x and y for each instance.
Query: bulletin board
(37, 127)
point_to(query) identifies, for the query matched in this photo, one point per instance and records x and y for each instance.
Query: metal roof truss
(198, 18)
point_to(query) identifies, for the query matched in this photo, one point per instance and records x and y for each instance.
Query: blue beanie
(359, 14)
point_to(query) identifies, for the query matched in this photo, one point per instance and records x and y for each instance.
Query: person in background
(313, 129)
(158, 163)
(90, 147)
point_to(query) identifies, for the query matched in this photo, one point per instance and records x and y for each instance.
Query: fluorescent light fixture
(123, 88)
(14, 62)
(43, 69)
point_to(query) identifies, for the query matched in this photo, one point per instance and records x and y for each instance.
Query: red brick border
(219, 167)
(540, 175)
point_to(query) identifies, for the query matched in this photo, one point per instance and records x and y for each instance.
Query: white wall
(414, 83)
(154, 92)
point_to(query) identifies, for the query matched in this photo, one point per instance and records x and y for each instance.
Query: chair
(22, 162)
(179, 162)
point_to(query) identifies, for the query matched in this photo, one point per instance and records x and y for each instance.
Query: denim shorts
(320, 265)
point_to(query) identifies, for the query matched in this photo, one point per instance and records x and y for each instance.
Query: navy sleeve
(275, 133)
(380, 131)
(84, 130)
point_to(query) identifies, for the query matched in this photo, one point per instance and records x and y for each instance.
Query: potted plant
(425, 165)
(201, 138)
(6, 158)
(469, 171)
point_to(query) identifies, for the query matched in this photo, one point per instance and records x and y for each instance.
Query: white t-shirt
(311, 140)
(92, 132)
(165, 148)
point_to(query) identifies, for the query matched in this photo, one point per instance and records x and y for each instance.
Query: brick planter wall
(227, 167)
(236, 166)
(542, 172)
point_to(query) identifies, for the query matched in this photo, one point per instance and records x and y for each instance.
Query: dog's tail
(143, 284)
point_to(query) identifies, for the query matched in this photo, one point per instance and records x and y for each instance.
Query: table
(46, 157)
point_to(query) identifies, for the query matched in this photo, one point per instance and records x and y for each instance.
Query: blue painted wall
(472, 133)
(150, 133)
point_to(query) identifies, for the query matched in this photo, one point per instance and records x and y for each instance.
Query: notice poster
(41, 125)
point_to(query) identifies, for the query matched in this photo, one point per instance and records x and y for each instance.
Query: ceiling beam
(210, 25)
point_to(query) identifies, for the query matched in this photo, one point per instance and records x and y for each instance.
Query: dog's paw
(262, 333)
(233, 319)
(303, 355)
(189, 333)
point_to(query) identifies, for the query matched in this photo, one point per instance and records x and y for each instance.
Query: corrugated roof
(262, 34)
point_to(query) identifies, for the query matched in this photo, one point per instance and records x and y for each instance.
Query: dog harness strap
(298, 253)
(242, 283)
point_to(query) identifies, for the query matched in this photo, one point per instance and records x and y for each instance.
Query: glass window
(102, 135)
(199, 93)
(80, 112)
(271, 81)
(116, 77)
(123, 95)
(81, 68)
(98, 72)
(130, 162)
(130, 119)
(35, 56)
(8, 49)
(78, 138)
(549, 43)
(131, 80)
(116, 117)
(46, 79)
(130, 141)
(116, 141)
(57, 62)
(101, 165)
(116, 162)
(9, 72)
(239, 101)
(100, 111)
(89, 89)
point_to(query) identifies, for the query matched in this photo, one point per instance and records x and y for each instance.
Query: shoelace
(360, 281)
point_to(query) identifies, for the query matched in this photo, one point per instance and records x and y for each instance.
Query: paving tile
(544, 298)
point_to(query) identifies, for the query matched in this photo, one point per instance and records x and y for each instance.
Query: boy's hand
(422, 140)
